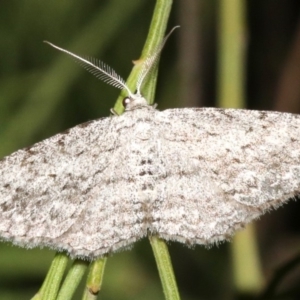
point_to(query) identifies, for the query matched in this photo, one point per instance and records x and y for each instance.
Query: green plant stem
(52, 282)
(165, 268)
(245, 256)
(231, 82)
(94, 280)
(231, 54)
(155, 36)
(73, 279)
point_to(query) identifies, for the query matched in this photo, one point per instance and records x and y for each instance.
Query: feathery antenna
(151, 61)
(109, 75)
(98, 68)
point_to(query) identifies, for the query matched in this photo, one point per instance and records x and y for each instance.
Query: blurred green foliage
(43, 92)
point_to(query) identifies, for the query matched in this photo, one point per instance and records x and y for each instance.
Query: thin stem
(72, 280)
(165, 268)
(155, 36)
(231, 52)
(52, 282)
(94, 280)
(232, 38)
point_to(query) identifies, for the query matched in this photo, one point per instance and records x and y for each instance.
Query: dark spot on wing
(262, 115)
(5, 206)
(29, 150)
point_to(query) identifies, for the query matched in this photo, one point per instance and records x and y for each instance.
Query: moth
(191, 175)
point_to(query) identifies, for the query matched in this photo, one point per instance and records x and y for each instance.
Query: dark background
(43, 92)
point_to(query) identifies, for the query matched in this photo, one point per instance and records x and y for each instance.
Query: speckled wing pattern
(189, 175)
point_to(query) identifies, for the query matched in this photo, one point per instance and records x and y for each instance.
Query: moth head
(134, 101)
